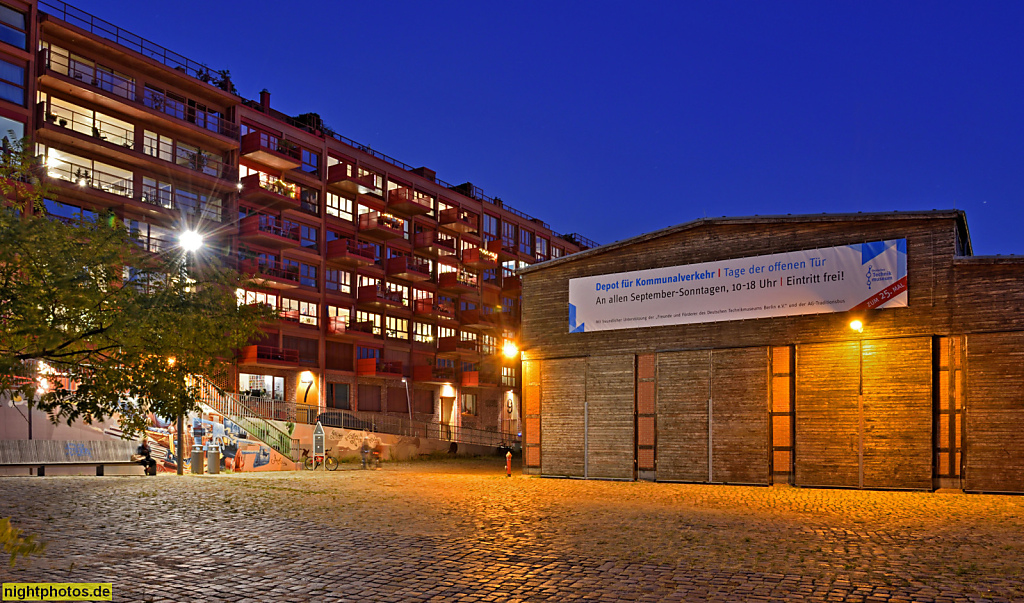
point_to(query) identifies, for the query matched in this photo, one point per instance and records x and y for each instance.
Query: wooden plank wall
(611, 414)
(827, 394)
(994, 413)
(739, 422)
(897, 413)
(684, 387)
(864, 414)
(563, 393)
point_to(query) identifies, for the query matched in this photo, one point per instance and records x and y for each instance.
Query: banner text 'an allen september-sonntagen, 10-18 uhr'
(831, 279)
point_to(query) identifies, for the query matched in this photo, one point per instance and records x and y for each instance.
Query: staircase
(229, 406)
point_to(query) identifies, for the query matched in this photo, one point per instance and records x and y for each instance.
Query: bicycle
(313, 462)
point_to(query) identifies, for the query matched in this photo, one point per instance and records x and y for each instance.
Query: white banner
(833, 279)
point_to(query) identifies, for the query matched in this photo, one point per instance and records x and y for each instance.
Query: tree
(113, 328)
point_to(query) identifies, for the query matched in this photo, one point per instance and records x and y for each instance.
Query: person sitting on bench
(146, 459)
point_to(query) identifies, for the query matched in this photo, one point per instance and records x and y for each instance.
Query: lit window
(469, 404)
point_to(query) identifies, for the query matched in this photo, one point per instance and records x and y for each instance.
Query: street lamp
(509, 349)
(190, 241)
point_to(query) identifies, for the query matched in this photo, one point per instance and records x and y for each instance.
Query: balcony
(268, 356)
(469, 379)
(265, 230)
(365, 329)
(381, 227)
(271, 151)
(488, 378)
(458, 220)
(505, 250)
(432, 374)
(479, 319)
(434, 243)
(458, 281)
(337, 325)
(79, 179)
(269, 276)
(410, 269)
(428, 308)
(345, 176)
(347, 253)
(404, 201)
(270, 191)
(118, 92)
(453, 347)
(511, 283)
(378, 297)
(479, 258)
(375, 367)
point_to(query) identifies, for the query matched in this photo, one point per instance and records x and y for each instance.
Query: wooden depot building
(868, 350)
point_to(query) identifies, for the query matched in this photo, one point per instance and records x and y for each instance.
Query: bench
(45, 453)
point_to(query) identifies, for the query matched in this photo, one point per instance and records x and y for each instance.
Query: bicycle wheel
(332, 464)
(308, 463)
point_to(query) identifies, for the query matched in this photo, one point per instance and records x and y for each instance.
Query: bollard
(508, 464)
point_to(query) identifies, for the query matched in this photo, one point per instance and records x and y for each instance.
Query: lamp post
(190, 241)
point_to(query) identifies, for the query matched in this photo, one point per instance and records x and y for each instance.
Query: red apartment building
(396, 290)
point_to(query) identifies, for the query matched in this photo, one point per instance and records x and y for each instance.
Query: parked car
(344, 420)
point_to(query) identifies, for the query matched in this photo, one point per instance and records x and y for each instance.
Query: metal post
(179, 450)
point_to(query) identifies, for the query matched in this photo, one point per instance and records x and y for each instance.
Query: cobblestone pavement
(461, 531)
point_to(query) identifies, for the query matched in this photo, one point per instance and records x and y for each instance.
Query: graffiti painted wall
(239, 451)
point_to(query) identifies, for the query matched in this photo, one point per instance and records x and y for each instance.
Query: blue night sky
(614, 119)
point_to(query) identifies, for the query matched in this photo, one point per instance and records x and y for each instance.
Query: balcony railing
(429, 307)
(267, 225)
(435, 242)
(109, 31)
(91, 178)
(263, 353)
(404, 200)
(457, 279)
(271, 150)
(381, 225)
(88, 125)
(410, 268)
(284, 274)
(187, 202)
(374, 294)
(375, 366)
(125, 87)
(478, 257)
(350, 251)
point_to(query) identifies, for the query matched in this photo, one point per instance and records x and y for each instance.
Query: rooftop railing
(104, 29)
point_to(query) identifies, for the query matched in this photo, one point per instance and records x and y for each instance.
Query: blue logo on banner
(573, 328)
(869, 251)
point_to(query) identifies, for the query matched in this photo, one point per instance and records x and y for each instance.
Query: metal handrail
(248, 419)
(151, 98)
(97, 179)
(89, 125)
(375, 422)
(75, 16)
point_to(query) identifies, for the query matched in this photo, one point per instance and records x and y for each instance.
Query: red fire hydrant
(508, 464)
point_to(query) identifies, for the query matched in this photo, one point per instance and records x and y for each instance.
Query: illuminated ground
(461, 531)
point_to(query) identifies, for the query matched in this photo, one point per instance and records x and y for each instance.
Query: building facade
(766, 387)
(396, 290)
